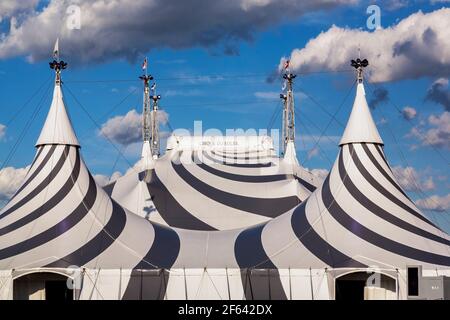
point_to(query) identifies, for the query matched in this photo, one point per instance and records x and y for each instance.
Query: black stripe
(239, 165)
(249, 250)
(306, 184)
(169, 208)
(243, 152)
(38, 169)
(250, 254)
(162, 255)
(382, 171)
(239, 177)
(109, 188)
(262, 206)
(39, 152)
(52, 202)
(241, 158)
(372, 237)
(375, 184)
(164, 250)
(316, 244)
(380, 212)
(57, 230)
(44, 184)
(381, 153)
(103, 240)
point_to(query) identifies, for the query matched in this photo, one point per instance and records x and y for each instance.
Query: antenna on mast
(57, 64)
(150, 129)
(154, 124)
(359, 65)
(288, 127)
(146, 108)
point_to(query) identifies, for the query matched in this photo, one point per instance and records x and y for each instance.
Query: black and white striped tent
(197, 188)
(60, 221)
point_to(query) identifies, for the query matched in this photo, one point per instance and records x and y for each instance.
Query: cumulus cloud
(435, 203)
(439, 93)
(411, 180)
(102, 180)
(436, 132)
(409, 113)
(417, 46)
(2, 131)
(380, 95)
(127, 129)
(9, 8)
(112, 29)
(10, 180)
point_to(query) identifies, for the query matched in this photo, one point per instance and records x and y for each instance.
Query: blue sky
(203, 82)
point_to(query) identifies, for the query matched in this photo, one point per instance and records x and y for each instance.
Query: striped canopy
(213, 190)
(358, 218)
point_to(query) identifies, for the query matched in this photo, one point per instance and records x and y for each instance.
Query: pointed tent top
(57, 127)
(360, 126)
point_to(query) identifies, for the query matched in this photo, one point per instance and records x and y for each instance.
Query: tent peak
(360, 127)
(57, 128)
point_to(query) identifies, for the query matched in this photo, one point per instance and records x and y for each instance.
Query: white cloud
(435, 203)
(409, 113)
(9, 8)
(112, 29)
(10, 180)
(103, 180)
(393, 52)
(411, 180)
(127, 129)
(2, 131)
(436, 133)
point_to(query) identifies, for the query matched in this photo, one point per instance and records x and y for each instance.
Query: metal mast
(57, 64)
(146, 109)
(154, 146)
(288, 127)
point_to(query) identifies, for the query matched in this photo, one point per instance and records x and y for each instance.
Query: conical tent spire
(58, 127)
(360, 126)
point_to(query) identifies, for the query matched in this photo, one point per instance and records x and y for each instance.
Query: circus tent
(210, 182)
(358, 222)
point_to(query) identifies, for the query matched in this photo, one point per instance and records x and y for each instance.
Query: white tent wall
(210, 283)
(6, 285)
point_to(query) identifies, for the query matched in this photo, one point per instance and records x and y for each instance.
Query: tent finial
(57, 64)
(359, 65)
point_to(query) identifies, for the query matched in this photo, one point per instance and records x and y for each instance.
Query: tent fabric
(358, 219)
(360, 126)
(213, 190)
(57, 128)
